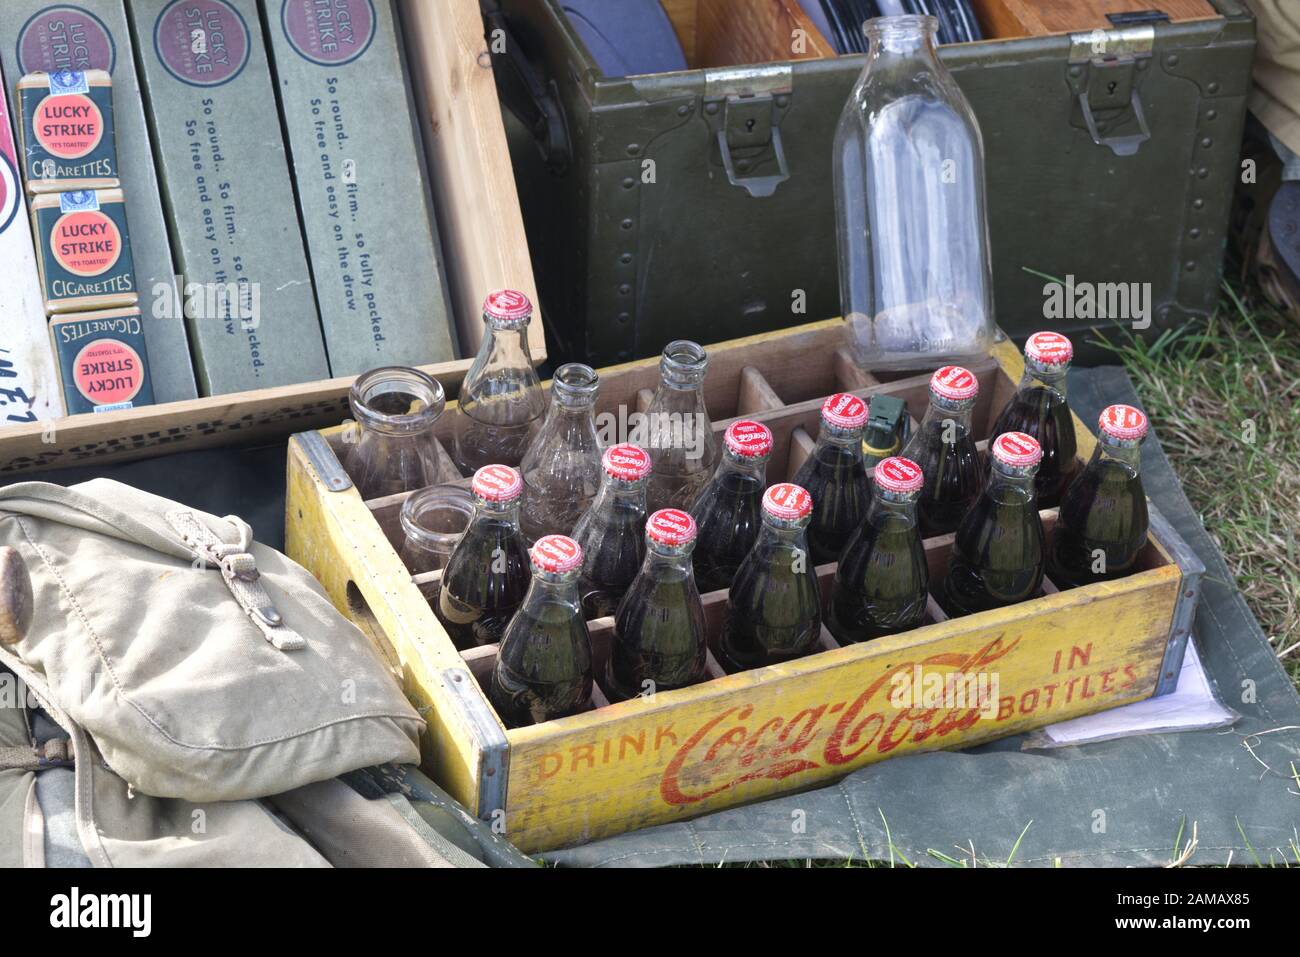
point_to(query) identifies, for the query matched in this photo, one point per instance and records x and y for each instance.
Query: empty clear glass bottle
(997, 555)
(882, 579)
(1103, 521)
(433, 521)
(659, 638)
(393, 446)
(728, 510)
(501, 400)
(678, 433)
(543, 667)
(944, 448)
(774, 607)
(612, 531)
(562, 467)
(915, 279)
(1039, 408)
(487, 574)
(835, 477)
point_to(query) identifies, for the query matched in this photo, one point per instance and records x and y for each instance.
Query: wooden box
(484, 248)
(741, 737)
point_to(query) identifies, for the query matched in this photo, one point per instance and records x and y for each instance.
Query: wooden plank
(1002, 19)
(746, 736)
(479, 217)
(741, 32)
(683, 14)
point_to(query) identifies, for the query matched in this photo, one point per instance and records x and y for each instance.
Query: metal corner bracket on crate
(742, 737)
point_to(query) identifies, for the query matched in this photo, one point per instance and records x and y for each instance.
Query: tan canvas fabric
(160, 664)
(1275, 98)
(15, 786)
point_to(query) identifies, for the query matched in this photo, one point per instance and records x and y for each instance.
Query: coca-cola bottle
(997, 557)
(487, 574)
(882, 579)
(659, 639)
(944, 448)
(678, 432)
(612, 530)
(1103, 519)
(543, 667)
(728, 509)
(501, 400)
(562, 467)
(836, 478)
(1039, 408)
(774, 608)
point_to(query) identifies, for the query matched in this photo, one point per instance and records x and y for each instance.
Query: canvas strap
(57, 752)
(240, 573)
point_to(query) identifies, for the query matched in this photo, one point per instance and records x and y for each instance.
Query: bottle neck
(1005, 477)
(886, 506)
(1126, 453)
(506, 345)
(1044, 377)
(743, 465)
(496, 513)
(947, 410)
(848, 440)
(618, 496)
(668, 557)
(778, 533)
(553, 588)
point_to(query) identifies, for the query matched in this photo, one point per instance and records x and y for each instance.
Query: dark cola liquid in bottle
(1103, 519)
(728, 510)
(543, 667)
(944, 449)
(487, 575)
(836, 478)
(882, 579)
(659, 638)
(611, 532)
(997, 558)
(1039, 408)
(774, 608)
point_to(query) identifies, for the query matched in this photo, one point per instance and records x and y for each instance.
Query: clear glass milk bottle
(501, 400)
(1039, 408)
(916, 285)
(774, 605)
(543, 667)
(392, 448)
(562, 466)
(678, 432)
(659, 637)
(728, 510)
(611, 532)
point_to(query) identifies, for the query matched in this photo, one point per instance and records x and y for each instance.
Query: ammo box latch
(744, 107)
(1103, 73)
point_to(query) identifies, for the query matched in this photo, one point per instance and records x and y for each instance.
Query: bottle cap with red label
(1049, 350)
(1017, 450)
(844, 411)
(899, 475)
(626, 462)
(556, 554)
(787, 502)
(499, 484)
(955, 384)
(670, 526)
(507, 307)
(748, 439)
(1123, 423)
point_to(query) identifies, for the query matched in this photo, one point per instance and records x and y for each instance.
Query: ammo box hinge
(744, 107)
(1103, 72)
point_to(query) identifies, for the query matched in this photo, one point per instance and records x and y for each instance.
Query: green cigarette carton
(211, 105)
(103, 360)
(366, 213)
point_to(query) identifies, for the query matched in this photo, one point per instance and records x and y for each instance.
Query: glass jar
(433, 521)
(393, 448)
(916, 284)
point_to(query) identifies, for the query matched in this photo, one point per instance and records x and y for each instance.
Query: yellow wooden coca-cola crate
(737, 738)
(484, 248)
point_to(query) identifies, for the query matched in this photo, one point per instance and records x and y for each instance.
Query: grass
(1224, 397)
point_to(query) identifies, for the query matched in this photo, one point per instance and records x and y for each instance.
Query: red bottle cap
(844, 411)
(497, 483)
(556, 554)
(955, 383)
(1017, 449)
(1123, 422)
(897, 474)
(626, 461)
(508, 305)
(749, 439)
(670, 526)
(787, 501)
(1049, 349)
